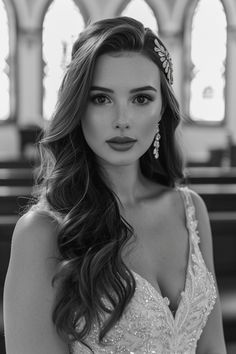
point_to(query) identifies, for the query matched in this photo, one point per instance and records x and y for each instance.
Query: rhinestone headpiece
(165, 60)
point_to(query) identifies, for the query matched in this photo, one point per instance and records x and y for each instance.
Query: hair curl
(72, 186)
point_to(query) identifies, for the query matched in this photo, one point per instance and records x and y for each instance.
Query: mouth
(121, 143)
(121, 140)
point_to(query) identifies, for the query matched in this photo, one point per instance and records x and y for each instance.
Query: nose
(122, 119)
(121, 125)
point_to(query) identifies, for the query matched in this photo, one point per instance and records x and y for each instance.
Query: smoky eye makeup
(143, 98)
(99, 99)
(138, 96)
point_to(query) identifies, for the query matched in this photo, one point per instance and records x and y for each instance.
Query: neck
(126, 181)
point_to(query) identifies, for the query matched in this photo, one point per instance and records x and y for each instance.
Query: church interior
(36, 39)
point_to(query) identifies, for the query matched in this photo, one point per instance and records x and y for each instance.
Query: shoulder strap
(187, 196)
(192, 221)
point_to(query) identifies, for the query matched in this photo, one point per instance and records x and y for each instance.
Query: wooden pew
(16, 163)
(218, 197)
(13, 199)
(211, 175)
(16, 177)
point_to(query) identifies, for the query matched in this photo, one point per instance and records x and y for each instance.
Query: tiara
(165, 60)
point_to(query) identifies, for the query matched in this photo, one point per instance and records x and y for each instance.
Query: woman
(132, 269)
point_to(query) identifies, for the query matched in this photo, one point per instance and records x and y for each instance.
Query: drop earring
(156, 143)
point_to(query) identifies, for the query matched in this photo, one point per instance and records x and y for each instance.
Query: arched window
(62, 24)
(4, 64)
(205, 86)
(141, 11)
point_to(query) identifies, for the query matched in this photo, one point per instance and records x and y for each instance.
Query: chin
(119, 160)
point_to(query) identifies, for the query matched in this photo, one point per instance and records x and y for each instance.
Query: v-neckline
(165, 299)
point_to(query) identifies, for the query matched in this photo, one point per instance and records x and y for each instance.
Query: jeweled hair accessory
(165, 60)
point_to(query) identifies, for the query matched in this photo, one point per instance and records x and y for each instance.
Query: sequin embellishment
(148, 325)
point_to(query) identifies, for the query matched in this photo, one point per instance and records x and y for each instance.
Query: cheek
(93, 129)
(89, 123)
(88, 129)
(148, 134)
(149, 126)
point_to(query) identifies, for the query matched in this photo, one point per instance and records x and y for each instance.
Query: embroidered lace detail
(148, 325)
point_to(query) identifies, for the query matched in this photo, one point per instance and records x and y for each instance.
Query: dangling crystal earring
(156, 143)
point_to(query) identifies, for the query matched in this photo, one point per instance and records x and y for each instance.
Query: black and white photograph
(117, 177)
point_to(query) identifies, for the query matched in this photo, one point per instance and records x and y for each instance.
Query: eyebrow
(138, 89)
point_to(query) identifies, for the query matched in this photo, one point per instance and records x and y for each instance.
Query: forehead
(127, 69)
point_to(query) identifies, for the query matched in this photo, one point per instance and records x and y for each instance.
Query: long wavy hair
(71, 185)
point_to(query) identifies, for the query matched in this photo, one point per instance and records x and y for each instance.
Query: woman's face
(125, 102)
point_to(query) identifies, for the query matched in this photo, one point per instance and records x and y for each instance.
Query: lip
(121, 146)
(121, 140)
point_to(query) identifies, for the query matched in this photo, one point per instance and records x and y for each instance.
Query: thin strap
(190, 212)
(187, 196)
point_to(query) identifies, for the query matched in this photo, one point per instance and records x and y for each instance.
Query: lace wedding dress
(147, 324)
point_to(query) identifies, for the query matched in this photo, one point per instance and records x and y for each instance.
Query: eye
(100, 99)
(142, 99)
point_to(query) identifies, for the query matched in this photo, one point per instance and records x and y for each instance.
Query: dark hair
(73, 187)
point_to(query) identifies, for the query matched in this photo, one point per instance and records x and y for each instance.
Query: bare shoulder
(29, 293)
(33, 248)
(38, 222)
(198, 201)
(35, 231)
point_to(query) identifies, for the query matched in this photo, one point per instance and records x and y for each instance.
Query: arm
(212, 338)
(28, 293)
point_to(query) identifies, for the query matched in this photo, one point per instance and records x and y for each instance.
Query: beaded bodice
(147, 324)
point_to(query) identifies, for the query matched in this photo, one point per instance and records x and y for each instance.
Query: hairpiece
(165, 59)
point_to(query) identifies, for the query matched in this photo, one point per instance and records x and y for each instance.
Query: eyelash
(97, 96)
(147, 97)
(93, 98)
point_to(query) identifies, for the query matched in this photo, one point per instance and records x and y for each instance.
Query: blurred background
(35, 46)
